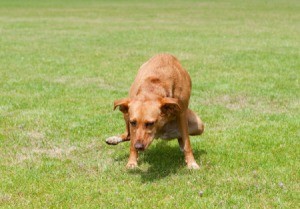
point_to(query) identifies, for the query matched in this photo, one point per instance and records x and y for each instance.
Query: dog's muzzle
(139, 146)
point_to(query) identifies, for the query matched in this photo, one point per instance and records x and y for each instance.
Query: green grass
(63, 64)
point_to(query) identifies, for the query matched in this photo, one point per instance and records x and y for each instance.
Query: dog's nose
(139, 146)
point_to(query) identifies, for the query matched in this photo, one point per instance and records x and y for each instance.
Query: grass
(63, 65)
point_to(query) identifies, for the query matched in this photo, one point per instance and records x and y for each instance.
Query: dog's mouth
(140, 149)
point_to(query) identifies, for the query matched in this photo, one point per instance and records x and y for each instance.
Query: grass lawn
(63, 63)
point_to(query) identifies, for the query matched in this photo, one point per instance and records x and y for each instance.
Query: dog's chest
(168, 132)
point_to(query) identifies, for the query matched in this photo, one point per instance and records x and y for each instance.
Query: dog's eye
(133, 123)
(149, 124)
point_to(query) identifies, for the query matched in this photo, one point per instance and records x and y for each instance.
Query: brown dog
(157, 107)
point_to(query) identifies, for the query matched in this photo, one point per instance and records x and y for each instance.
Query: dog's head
(147, 117)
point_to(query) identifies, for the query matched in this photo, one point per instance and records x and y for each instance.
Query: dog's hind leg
(195, 124)
(114, 140)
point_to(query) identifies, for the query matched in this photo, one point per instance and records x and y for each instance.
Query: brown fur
(157, 107)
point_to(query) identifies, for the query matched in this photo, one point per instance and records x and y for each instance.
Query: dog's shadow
(162, 160)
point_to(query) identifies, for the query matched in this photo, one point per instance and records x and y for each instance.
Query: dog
(157, 107)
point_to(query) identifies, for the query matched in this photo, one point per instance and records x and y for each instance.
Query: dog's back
(162, 76)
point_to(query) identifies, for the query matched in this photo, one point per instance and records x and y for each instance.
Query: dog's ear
(122, 104)
(169, 106)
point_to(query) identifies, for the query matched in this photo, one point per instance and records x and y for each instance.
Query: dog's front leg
(132, 161)
(114, 140)
(187, 149)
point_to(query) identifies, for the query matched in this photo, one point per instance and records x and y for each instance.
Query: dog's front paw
(113, 140)
(193, 166)
(131, 165)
